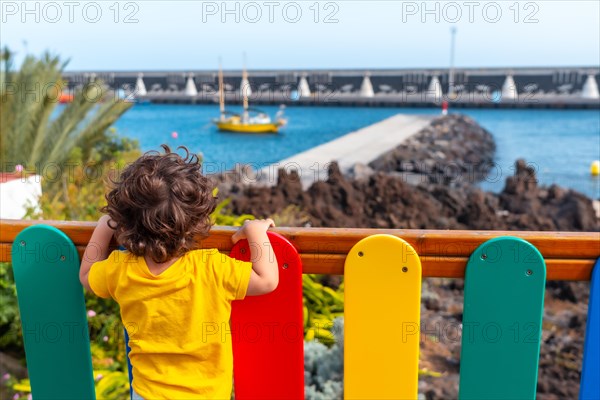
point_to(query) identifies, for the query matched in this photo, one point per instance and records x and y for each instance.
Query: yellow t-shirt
(178, 321)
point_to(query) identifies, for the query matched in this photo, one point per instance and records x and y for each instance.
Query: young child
(175, 300)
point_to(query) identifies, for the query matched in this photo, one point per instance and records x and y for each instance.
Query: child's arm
(96, 250)
(264, 277)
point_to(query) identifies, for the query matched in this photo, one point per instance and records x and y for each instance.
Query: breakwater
(551, 87)
(361, 146)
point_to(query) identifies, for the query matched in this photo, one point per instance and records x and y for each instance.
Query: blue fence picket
(590, 374)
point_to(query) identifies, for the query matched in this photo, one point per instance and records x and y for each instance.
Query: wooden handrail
(444, 254)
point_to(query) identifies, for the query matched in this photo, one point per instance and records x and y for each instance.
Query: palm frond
(33, 130)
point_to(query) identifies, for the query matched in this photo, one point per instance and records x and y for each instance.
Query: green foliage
(35, 132)
(18, 389)
(221, 216)
(322, 305)
(10, 321)
(113, 385)
(291, 215)
(71, 147)
(77, 193)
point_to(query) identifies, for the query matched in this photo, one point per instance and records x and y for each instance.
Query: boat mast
(221, 92)
(245, 82)
(451, 71)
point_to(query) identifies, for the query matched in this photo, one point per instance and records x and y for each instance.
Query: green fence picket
(53, 315)
(502, 321)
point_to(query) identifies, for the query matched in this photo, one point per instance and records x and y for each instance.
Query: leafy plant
(61, 143)
(324, 366)
(10, 321)
(112, 385)
(34, 131)
(77, 193)
(291, 215)
(322, 305)
(221, 216)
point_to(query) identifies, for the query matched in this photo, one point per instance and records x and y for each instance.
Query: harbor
(419, 100)
(549, 87)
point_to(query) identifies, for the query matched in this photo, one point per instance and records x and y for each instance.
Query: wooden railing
(568, 255)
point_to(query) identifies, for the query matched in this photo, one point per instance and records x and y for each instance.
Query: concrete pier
(361, 146)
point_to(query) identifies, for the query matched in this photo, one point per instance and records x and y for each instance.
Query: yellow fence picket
(382, 316)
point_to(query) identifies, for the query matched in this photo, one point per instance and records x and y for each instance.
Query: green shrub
(322, 305)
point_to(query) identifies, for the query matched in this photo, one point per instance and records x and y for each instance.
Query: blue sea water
(559, 144)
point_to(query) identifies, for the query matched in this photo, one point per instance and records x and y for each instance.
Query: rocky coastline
(430, 182)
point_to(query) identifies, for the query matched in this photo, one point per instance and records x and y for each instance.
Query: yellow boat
(235, 125)
(258, 122)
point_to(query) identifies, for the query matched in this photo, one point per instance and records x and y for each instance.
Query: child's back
(175, 301)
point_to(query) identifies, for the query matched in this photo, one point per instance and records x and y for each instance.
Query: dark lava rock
(544, 209)
(453, 150)
(387, 201)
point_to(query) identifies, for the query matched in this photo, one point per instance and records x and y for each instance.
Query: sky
(190, 35)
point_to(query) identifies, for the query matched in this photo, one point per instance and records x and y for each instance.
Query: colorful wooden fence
(504, 294)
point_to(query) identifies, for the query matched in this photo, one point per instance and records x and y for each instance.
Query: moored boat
(251, 120)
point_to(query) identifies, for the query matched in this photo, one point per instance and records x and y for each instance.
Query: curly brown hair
(160, 204)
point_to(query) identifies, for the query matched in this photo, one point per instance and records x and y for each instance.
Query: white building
(17, 193)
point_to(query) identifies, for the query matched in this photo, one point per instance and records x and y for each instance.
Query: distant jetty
(551, 87)
(359, 147)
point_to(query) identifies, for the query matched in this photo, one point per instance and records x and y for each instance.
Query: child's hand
(265, 273)
(252, 228)
(96, 250)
